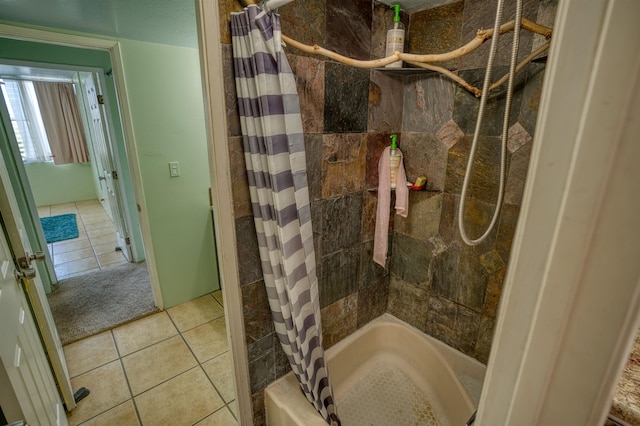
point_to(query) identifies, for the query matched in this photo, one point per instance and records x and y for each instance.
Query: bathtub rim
(448, 356)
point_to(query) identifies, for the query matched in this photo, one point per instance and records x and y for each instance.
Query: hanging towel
(381, 239)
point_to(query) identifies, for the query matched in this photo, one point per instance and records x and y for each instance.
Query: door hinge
(114, 174)
(100, 99)
(127, 240)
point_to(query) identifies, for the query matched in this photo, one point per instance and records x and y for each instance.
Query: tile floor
(170, 368)
(94, 249)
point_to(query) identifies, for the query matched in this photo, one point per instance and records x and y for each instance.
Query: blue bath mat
(59, 228)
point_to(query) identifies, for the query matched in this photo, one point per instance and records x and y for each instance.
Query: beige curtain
(62, 122)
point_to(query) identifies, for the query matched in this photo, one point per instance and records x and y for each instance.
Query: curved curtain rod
(423, 61)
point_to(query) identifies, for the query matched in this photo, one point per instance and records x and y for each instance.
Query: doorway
(103, 263)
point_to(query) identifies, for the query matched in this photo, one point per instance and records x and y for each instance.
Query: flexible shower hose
(505, 126)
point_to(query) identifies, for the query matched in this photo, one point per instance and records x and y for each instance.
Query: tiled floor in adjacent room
(170, 368)
(95, 247)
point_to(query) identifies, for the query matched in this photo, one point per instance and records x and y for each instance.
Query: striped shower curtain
(276, 168)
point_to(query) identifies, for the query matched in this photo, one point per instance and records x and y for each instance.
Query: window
(26, 120)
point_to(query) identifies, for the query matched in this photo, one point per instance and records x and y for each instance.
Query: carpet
(59, 228)
(89, 304)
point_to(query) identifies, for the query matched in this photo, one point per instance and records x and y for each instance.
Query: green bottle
(395, 38)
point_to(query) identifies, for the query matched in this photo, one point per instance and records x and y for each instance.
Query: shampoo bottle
(394, 161)
(395, 38)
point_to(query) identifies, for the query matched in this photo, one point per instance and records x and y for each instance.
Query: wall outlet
(174, 169)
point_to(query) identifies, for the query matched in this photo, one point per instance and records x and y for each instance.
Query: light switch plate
(174, 169)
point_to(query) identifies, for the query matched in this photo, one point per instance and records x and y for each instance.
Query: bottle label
(395, 41)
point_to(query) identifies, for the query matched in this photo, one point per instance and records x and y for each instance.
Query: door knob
(39, 255)
(25, 274)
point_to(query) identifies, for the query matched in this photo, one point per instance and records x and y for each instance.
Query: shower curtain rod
(267, 5)
(423, 61)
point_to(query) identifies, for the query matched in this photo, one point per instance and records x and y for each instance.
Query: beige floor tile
(105, 239)
(94, 233)
(70, 256)
(89, 205)
(233, 406)
(158, 363)
(218, 296)
(101, 224)
(188, 398)
(143, 332)
(94, 216)
(222, 417)
(104, 248)
(108, 388)
(208, 340)
(82, 234)
(44, 211)
(195, 312)
(71, 245)
(110, 258)
(122, 415)
(220, 372)
(90, 353)
(75, 266)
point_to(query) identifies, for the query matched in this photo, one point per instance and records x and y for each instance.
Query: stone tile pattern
(438, 283)
(434, 282)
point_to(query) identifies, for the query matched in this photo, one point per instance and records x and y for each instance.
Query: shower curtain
(276, 169)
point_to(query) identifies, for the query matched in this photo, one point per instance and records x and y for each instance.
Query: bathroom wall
(432, 280)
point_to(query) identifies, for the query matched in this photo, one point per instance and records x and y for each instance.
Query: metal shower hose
(505, 126)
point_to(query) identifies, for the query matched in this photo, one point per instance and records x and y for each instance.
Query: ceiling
(170, 22)
(411, 6)
(8, 70)
(158, 21)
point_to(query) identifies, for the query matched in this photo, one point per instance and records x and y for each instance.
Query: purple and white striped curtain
(276, 167)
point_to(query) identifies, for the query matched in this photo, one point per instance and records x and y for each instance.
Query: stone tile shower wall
(433, 281)
(438, 283)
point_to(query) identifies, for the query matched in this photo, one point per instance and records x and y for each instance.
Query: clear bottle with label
(394, 161)
(395, 38)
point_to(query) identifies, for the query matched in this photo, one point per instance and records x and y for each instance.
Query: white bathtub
(386, 373)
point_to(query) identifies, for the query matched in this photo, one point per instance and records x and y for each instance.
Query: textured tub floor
(386, 396)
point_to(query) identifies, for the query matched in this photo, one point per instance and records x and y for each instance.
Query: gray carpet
(89, 304)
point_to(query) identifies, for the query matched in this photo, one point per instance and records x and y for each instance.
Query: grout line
(126, 377)
(198, 365)
(113, 340)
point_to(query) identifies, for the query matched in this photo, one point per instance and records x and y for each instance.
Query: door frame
(524, 311)
(98, 73)
(114, 50)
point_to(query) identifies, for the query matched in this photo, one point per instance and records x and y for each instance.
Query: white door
(34, 397)
(33, 289)
(104, 160)
(22, 305)
(29, 392)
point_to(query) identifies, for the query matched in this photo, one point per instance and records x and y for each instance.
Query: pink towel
(381, 239)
